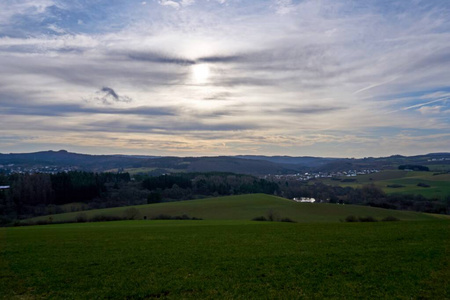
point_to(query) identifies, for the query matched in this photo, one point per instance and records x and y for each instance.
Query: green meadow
(243, 207)
(406, 182)
(226, 260)
(228, 256)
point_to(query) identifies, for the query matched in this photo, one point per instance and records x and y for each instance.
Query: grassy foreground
(247, 207)
(226, 259)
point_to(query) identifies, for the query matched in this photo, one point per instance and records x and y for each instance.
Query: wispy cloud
(287, 72)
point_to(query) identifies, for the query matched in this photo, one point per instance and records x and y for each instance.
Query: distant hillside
(238, 165)
(305, 161)
(247, 207)
(246, 164)
(64, 158)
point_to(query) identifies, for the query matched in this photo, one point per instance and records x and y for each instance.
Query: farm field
(226, 259)
(245, 207)
(406, 182)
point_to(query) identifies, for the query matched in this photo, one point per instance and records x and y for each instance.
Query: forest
(38, 194)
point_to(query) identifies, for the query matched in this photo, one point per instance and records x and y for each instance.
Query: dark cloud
(159, 58)
(221, 59)
(110, 91)
(310, 110)
(109, 96)
(69, 109)
(88, 73)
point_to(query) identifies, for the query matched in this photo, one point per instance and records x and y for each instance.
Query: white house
(304, 200)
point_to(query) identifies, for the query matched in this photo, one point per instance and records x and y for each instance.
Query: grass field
(247, 207)
(226, 260)
(439, 185)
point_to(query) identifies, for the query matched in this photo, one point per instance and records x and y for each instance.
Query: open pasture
(244, 207)
(405, 182)
(226, 259)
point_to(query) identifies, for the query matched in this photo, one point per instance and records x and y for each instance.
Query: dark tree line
(166, 181)
(194, 185)
(413, 167)
(29, 194)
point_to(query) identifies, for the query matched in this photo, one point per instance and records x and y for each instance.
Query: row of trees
(30, 193)
(195, 185)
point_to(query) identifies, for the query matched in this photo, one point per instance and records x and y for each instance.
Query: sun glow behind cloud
(330, 78)
(200, 73)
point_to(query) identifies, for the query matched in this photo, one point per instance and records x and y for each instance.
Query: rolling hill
(245, 207)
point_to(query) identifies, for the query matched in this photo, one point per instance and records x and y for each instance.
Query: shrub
(287, 220)
(42, 222)
(168, 217)
(421, 184)
(261, 218)
(348, 180)
(104, 218)
(182, 217)
(395, 186)
(81, 218)
(390, 219)
(367, 219)
(272, 215)
(130, 213)
(351, 218)
(162, 217)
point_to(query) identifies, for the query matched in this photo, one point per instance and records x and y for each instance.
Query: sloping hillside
(247, 207)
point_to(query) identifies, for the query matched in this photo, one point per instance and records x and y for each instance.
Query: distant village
(308, 176)
(14, 169)
(439, 159)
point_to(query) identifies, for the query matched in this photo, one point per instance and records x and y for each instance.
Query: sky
(335, 78)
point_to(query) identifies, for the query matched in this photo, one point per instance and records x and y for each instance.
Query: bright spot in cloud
(200, 73)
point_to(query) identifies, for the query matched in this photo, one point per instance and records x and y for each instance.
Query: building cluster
(15, 169)
(439, 159)
(304, 200)
(313, 175)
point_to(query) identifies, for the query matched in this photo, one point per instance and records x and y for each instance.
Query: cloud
(52, 110)
(287, 72)
(108, 96)
(284, 6)
(10, 9)
(430, 110)
(218, 96)
(221, 59)
(425, 103)
(311, 110)
(160, 58)
(176, 3)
